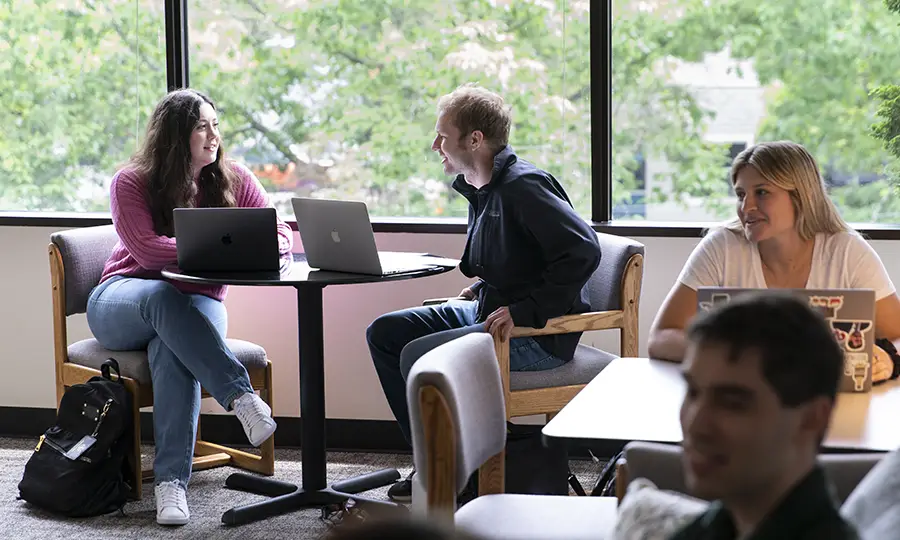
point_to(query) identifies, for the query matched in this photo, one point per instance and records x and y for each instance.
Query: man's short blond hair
(473, 108)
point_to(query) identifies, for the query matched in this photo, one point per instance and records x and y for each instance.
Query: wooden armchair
(614, 292)
(76, 262)
(459, 426)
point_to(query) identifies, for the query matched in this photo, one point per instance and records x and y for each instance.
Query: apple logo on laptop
(335, 236)
(226, 239)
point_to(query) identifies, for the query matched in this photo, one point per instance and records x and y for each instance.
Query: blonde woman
(787, 234)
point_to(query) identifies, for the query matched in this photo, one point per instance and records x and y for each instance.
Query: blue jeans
(396, 340)
(184, 335)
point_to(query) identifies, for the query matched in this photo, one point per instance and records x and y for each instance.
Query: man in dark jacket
(531, 252)
(762, 375)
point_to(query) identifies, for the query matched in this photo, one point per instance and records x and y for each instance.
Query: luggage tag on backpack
(80, 447)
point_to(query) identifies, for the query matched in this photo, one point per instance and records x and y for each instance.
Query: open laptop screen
(849, 312)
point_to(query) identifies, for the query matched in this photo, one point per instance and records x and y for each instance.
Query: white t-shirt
(844, 260)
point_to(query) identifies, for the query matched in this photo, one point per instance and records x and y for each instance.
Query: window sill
(410, 225)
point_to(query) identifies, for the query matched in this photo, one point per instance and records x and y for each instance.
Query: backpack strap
(111, 364)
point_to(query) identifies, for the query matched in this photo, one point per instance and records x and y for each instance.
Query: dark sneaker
(401, 492)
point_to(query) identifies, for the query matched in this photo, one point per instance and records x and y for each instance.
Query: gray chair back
(84, 252)
(467, 373)
(605, 285)
(662, 465)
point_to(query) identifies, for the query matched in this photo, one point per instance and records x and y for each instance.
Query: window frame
(177, 76)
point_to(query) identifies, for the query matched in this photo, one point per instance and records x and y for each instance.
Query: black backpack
(79, 467)
(531, 467)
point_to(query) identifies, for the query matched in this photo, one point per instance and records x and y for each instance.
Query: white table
(638, 399)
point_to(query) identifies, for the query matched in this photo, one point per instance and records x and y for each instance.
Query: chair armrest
(582, 322)
(435, 301)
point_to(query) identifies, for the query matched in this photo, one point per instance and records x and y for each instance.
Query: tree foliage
(888, 129)
(337, 97)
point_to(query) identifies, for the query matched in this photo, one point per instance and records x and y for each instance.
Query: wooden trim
(632, 281)
(621, 478)
(198, 451)
(60, 337)
(267, 449)
(492, 475)
(582, 322)
(201, 463)
(72, 374)
(440, 453)
(134, 459)
(501, 349)
(237, 458)
(542, 400)
(260, 379)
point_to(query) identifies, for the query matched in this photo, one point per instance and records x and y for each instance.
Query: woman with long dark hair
(181, 164)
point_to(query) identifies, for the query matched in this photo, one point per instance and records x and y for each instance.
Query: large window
(331, 98)
(695, 81)
(77, 80)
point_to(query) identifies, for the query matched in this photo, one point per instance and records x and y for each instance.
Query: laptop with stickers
(849, 312)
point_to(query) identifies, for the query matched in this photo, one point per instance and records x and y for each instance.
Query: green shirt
(809, 512)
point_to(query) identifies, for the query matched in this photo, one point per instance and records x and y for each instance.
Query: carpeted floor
(207, 498)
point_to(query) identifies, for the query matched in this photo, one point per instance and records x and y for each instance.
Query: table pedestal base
(287, 497)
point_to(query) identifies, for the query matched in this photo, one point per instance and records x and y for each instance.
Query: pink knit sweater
(140, 252)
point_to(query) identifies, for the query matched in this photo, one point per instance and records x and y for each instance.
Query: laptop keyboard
(395, 264)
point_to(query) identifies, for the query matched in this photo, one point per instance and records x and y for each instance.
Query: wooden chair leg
(492, 475)
(267, 450)
(197, 437)
(621, 479)
(208, 455)
(213, 455)
(135, 456)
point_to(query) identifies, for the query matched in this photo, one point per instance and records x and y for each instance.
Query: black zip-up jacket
(808, 512)
(530, 249)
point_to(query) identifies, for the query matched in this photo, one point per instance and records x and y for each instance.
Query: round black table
(309, 283)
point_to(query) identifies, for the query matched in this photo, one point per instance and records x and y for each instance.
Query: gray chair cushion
(874, 506)
(466, 372)
(538, 517)
(134, 364)
(604, 288)
(84, 253)
(583, 367)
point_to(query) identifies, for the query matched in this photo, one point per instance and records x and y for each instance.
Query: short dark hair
(799, 355)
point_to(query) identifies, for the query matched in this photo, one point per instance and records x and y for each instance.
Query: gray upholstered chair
(458, 420)
(661, 464)
(77, 257)
(614, 293)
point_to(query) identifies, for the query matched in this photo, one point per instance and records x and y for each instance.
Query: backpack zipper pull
(102, 416)
(40, 442)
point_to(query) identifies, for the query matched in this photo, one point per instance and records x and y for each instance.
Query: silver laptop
(227, 239)
(337, 236)
(849, 312)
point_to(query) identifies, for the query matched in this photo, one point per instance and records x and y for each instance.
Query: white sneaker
(171, 504)
(255, 416)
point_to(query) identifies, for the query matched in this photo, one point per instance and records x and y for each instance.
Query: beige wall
(268, 317)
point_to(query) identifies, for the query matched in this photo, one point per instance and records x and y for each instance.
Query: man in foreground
(762, 375)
